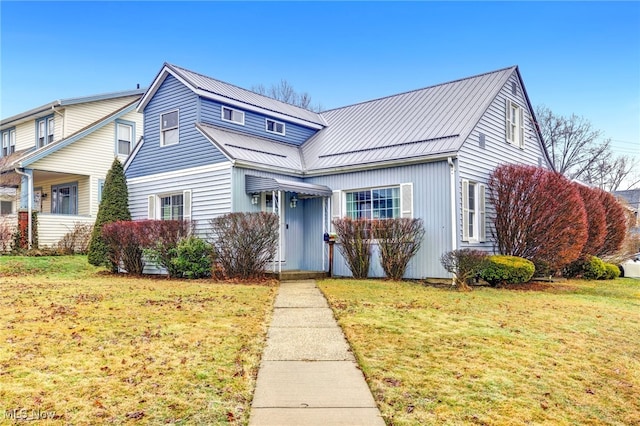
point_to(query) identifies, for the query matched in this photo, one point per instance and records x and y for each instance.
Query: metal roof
(229, 91)
(253, 149)
(255, 184)
(421, 123)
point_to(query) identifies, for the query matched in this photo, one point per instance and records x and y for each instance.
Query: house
(212, 148)
(631, 199)
(57, 156)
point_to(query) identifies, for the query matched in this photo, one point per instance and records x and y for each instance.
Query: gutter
(29, 205)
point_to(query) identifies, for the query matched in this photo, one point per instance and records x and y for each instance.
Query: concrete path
(308, 375)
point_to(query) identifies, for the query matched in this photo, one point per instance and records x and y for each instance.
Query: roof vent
(514, 88)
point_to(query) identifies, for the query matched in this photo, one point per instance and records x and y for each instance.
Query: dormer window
(275, 127)
(233, 115)
(169, 128)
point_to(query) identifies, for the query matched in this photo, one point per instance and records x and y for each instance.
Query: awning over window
(254, 184)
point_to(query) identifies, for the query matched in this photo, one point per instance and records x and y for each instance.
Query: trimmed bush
(354, 243)
(192, 258)
(500, 270)
(124, 247)
(399, 240)
(616, 225)
(611, 271)
(465, 264)
(243, 243)
(593, 268)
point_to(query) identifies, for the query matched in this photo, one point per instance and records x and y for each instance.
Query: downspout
(29, 204)
(452, 183)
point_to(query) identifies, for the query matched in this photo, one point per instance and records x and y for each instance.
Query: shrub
(500, 270)
(162, 238)
(539, 215)
(596, 219)
(593, 268)
(114, 207)
(192, 258)
(465, 264)
(76, 240)
(611, 271)
(243, 243)
(124, 247)
(6, 235)
(616, 223)
(354, 244)
(399, 240)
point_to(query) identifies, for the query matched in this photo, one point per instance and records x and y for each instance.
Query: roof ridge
(238, 87)
(423, 88)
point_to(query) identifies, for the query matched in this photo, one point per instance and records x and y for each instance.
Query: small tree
(399, 240)
(113, 207)
(355, 244)
(539, 216)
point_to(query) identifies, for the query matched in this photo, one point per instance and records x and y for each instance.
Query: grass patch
(98, 348)
(561, 355)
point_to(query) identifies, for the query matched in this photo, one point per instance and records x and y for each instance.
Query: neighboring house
(60, 153)
(212, 148)
(631, 198)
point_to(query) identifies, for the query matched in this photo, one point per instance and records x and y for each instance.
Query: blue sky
(575, 57)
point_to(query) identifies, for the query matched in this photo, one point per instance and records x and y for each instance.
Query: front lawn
(566, 354)
(97, 348)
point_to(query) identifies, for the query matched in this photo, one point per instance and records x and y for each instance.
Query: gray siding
(476, 163)
(193, 148)
(431, 203)
(254, 123)
(210, 194)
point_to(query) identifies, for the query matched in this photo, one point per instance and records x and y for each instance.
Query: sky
(578, 58)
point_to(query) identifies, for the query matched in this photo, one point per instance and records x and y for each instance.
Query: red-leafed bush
(596, 220)
(616, 222)
(161, 239)
(124, 240)
(539, 216)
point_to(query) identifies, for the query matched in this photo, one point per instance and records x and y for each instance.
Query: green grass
(100, 348)
(565, 354)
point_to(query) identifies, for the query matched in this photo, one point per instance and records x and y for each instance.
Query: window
(45, 129)
(124, 138)
(169, 128)
(172, 207)
(100, 189)
(515, 124)
(473, 212)
(8, 142)
(233, 115)
(64, 198)
(379, 203)
(6, 207)
(275, 127)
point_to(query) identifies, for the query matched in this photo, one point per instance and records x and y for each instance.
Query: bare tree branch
(285, 92)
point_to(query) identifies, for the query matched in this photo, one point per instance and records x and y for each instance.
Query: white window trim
(241, 122)
(154, 204)
(407, 212)
(162, 130)
(266, 126)
(480, 217)
(131, 125)
(517, 138)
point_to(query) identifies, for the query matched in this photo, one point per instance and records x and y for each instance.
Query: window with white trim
(8, 142)
(232, 115)
(50, 129)
(45, 128)
(169, 128)
(124, 136)
(273, 126)
(514, 124)
(473, 212)
(172, 207)
(376, 203)
(64, 198)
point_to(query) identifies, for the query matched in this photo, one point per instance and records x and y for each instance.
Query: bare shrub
(124, 245)
(160, 240)
(6, 234)
(354, 244)
(399, 240)
(77, 240)
(243, 243)
(465, 265)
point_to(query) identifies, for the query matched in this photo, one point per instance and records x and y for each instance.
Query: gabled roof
(47, 109)
(434, 121)
(210, 88)
(26, 157)
(252, 150)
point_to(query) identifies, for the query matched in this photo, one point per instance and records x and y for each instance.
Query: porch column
(26, 188)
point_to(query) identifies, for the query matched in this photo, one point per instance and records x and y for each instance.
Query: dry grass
(97, 348)
(566, 355)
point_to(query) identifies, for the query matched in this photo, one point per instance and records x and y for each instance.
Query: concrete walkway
(308, 375)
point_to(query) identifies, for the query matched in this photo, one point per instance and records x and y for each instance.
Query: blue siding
(254, 123)
(192, 150)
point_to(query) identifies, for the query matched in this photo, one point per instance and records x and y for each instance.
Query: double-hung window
(171, 206)
(124, 138)
(232, 115)
(473, 212)
(64, 198)
(45, 131)
(8, 142)
(514, 124)
(275, 127)
(376, 203)
(169, 128)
